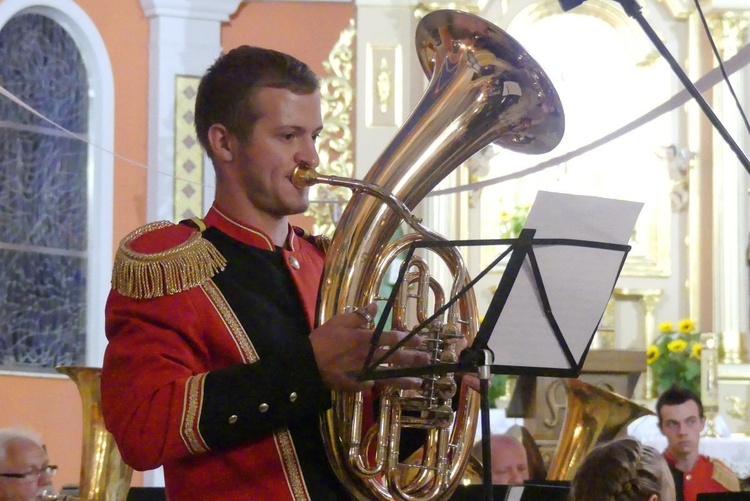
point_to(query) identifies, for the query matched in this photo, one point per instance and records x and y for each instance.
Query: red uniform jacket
(699, 480)
(209, 370)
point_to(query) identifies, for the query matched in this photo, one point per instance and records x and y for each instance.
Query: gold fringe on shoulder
(724, 475)
(144, 276)
(322, 242)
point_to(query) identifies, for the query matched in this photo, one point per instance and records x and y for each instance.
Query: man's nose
(308, 155)
(516, 477)
(44, 478)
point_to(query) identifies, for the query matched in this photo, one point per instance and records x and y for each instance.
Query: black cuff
(251, 400)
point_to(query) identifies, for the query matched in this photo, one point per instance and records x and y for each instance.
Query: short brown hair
(226, 91)
(677, 395)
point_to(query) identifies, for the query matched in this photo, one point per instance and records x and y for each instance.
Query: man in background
(25, 472)
(681, 420)
(509, 461)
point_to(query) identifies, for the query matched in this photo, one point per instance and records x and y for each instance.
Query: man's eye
(315, 137)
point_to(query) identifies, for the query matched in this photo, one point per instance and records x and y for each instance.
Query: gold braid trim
(144, 276)
(724, 475)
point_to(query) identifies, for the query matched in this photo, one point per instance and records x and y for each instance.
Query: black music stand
(529, 491)
(552, 295)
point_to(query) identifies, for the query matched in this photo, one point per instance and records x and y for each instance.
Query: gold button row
(262, 408)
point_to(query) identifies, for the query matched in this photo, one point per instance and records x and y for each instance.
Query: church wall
(125, 31)
(305, 30)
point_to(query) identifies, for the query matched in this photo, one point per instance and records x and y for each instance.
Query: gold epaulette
(724, 475)
(322, 242)
(143, 276)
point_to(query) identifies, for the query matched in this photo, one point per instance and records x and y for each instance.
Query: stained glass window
(43, 197)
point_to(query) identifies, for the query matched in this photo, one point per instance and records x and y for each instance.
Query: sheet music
(578, 280)
(515, 493)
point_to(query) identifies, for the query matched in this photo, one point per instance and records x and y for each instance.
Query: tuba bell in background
(104, 476)
(484, 88)
(593, 416)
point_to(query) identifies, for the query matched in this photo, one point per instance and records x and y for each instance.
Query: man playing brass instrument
(213, 367)
(25, 472)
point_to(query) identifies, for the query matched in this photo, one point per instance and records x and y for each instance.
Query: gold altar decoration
(734, 395)
(335, 150)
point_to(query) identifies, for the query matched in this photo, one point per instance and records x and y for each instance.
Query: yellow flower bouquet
(675, 356)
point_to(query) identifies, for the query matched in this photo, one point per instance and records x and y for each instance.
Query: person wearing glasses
(681, 420)
(509, 462)
(25, 472)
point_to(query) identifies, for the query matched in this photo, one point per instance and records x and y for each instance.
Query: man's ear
(222, 142)
(653, 497)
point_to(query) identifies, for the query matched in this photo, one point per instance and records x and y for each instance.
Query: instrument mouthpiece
(304, 176)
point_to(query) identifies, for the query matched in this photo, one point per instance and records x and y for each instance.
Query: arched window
(42, 196)
(51, 205)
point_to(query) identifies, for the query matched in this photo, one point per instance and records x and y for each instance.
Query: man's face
(24, 456)
(509, 463)
(682, 425)
(283, 137)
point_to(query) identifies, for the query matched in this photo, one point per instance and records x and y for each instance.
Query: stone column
(730, 192)
(648, 300)
(185, 38)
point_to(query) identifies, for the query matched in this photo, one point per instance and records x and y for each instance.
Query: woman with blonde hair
(623, 470)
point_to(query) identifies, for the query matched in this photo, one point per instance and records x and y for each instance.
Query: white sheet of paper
(578, 280)
(515, 493)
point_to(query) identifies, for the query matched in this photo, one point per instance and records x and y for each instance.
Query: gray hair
(8, 435)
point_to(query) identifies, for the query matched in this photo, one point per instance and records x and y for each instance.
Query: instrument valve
(450, 331)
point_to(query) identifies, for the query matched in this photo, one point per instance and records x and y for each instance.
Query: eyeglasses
(34, 474)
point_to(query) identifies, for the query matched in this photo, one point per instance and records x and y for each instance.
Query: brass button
(233, 419)
(293, 396)
(688, 476)
(263, 407)
(293, 262)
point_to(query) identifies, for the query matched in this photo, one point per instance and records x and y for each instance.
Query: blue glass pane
(42, 190)
(42, 66)
(42, 309)
(43, 197)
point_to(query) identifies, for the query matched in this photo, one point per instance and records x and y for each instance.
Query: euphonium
(594, 415)
(104, 476)
(483, 88)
